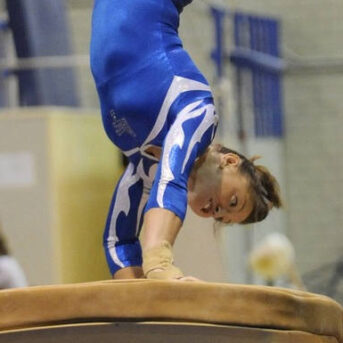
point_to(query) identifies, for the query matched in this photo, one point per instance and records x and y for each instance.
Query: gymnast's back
(135, 54)
(125, 33)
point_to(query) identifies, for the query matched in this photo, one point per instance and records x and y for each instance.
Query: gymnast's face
(219, 190)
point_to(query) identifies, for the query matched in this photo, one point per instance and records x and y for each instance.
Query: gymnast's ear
(229, 159)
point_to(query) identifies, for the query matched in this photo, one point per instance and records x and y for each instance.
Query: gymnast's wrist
(158, 263)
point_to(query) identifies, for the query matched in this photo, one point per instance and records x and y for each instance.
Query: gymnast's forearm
(159, 225)
(160, 229)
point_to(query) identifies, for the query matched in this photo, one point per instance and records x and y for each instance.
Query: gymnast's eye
(233, 201)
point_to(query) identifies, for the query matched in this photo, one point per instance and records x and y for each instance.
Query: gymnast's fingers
(188, 278)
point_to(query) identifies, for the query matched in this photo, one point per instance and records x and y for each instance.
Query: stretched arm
(189, 136)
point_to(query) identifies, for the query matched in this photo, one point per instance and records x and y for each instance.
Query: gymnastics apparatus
(167, 311)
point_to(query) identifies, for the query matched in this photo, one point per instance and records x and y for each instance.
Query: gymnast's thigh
(135, 71)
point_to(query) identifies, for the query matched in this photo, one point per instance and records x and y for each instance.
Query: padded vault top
(197, 302)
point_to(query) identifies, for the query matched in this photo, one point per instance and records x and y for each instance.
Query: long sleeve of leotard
(188, 137)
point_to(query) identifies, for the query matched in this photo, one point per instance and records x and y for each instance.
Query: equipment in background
(327, 279)
(274, 258)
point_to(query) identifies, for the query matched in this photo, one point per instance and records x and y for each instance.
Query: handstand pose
(158, 109)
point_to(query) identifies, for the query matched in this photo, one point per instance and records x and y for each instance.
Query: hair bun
(254, 158)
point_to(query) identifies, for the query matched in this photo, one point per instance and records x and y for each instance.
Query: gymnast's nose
(217, 212)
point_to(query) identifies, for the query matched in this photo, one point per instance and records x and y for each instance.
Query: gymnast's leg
(121, 244)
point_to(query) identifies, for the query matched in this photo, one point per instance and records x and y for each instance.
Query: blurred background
(276, 69)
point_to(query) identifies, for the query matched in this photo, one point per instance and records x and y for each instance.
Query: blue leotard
(151, 94)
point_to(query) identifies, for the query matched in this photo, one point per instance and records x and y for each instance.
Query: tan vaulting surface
(201, 302)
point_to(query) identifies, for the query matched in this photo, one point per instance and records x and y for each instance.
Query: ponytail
(264, 188)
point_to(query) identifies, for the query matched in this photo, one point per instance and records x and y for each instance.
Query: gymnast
(158, 109)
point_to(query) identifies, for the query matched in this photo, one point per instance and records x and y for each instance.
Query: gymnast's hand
(188, 278)
(172, 274)
(158, 264)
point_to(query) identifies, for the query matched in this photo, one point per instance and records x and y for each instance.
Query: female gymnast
(158, 109)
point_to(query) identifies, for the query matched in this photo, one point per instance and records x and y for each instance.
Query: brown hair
(263, 185)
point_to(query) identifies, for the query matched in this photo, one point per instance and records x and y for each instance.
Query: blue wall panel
(258, 38)
(40, 28)
(3, 88)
